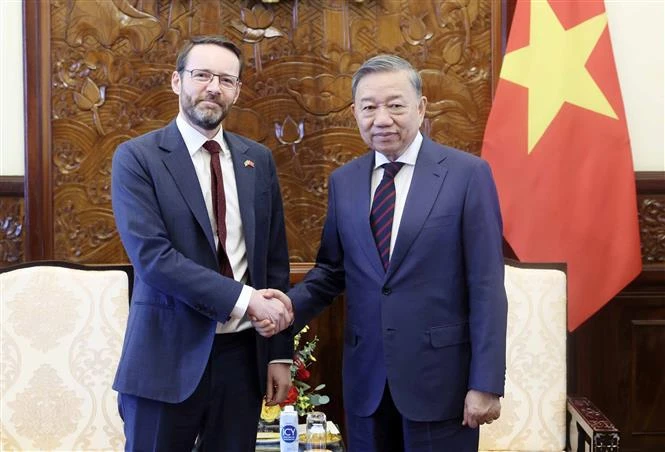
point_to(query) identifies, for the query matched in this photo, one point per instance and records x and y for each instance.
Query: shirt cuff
(281, 361)
(243, 301)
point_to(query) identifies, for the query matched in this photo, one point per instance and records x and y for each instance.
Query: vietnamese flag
(558, 145)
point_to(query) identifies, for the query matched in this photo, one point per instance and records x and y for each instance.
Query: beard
(205, 117)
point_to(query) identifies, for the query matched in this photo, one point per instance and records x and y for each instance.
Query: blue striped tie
(383, 209)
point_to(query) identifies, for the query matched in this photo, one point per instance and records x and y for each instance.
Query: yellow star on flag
(552, 67)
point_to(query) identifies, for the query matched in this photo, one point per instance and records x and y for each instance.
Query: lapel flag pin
(248, 163)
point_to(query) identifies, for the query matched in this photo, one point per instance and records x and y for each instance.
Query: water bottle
(288, 430)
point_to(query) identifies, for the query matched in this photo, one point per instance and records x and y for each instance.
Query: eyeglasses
(205, 77)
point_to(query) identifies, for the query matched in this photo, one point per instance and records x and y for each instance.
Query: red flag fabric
(558, 145)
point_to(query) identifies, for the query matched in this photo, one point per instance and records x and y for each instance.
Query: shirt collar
(194, 140)
(409, 156)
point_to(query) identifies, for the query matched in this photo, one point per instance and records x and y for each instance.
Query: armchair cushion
(61, 335)
(533, 413)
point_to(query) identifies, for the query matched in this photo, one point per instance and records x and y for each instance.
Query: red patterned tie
(383, 209)
(219, 204)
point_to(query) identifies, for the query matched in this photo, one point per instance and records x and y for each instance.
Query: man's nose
(214, 85)
(382, 115)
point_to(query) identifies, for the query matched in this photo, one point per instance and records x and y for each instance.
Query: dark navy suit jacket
(179, 294)
(434, 325)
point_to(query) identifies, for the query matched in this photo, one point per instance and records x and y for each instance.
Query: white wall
(636, 28)
(637, 33)
(11, 88)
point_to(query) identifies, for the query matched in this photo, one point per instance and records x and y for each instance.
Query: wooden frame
(38, 196)
(589, 428)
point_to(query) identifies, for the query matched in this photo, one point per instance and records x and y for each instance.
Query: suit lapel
(428, 176)
(179, 164)
(246, 186)
(360, 187)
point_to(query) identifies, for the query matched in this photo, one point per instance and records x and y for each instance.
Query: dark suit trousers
(387, 431)
(222, 412)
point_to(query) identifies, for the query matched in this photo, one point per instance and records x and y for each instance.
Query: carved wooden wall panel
(109, 79)
(651, 210)
(11, 230)
(111, 68)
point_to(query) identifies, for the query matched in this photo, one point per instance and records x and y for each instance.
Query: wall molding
(650, 182)
(11, 186)
(38, 198)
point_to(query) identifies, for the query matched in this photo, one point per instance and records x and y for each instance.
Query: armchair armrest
(589, 428)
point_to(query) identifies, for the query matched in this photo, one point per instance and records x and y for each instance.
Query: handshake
(270, 311)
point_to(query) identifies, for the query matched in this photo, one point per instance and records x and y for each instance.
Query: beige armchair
(62, 327)
(537, 414)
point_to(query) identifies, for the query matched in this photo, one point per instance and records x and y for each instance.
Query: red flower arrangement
(301, 394)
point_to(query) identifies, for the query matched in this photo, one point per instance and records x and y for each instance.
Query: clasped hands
(270, 311)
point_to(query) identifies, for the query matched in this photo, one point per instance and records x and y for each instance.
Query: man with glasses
(200, 215)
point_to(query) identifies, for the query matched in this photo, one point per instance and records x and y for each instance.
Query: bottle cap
(288, 408)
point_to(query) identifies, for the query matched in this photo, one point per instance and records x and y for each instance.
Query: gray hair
(387, 63)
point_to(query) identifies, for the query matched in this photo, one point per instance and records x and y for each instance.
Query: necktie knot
(391, 169)
(212, 147)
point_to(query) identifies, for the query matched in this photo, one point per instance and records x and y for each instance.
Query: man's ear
(176, 82)
(422, 107)
(235, 98)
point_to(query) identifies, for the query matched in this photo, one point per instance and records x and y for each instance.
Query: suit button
(386, 291)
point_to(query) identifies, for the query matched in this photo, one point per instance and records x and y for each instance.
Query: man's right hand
(272, 314)
(265, 326)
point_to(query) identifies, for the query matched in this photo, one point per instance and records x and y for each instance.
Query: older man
(414, 235)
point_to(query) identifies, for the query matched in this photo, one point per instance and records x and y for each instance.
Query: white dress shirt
(235, 237)
(402, 182)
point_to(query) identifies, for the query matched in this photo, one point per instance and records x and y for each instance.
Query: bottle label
(289, 433)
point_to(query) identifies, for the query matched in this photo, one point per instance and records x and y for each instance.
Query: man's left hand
(279, 382)
(480, 408)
